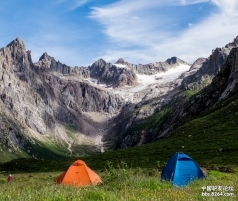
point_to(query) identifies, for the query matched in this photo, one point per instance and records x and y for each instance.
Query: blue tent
(181, 169)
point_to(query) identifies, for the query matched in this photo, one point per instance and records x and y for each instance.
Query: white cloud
(127, 22)
(79, 3)
(153, 37)
(190, 2)
(73, 4)
(200, 39)
(227, 7)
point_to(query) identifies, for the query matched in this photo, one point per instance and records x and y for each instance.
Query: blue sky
(79, 32)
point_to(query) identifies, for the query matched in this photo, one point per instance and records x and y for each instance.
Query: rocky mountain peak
(198, 63)
(120, 61)
(16, 52)
(233, 44)
(17, 43)
(172, 60)
(44, 61)
(45, 56)
(175, 60)
(101, 61)
(111, 75)
(203, 70)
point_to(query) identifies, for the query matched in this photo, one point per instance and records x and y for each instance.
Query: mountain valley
(51, 110)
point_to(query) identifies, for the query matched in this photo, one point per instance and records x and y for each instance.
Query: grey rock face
(89, 98)
(46, 97)
(10, 133)
(206, 69)
(193, 69)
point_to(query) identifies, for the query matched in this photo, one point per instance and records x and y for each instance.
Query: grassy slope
(158, 118)
(211, 138)
(152, 121)
(6, 155)
(49, 149)
(46, 150)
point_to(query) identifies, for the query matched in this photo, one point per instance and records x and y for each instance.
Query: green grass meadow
(120, 184)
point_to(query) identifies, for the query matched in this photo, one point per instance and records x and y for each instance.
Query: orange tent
(78, 174)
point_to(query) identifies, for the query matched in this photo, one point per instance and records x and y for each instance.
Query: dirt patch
(226, 169)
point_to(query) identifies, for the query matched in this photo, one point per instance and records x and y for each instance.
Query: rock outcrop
(111, 75)
(47, 63)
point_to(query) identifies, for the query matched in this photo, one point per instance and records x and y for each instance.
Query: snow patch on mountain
(120, 65)
(167, 76)
(145, 82)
